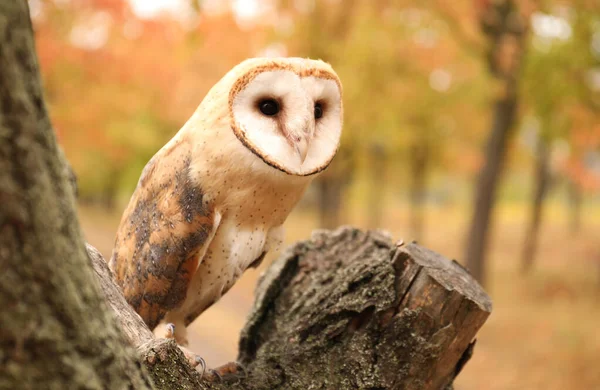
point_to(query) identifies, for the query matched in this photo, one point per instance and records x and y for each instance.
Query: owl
(212, 201)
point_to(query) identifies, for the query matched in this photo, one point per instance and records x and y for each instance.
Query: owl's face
(288, 112)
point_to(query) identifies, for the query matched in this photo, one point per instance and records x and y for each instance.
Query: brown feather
(162, 232)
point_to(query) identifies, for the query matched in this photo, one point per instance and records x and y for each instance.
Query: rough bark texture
(505, 29)
(48, 337)
(344, 310)
(351, 310)
(166, 364)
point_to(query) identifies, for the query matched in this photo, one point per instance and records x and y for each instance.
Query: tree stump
(352, 310)
(344, 310)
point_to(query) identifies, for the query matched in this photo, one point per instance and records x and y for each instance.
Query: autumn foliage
(120, 85)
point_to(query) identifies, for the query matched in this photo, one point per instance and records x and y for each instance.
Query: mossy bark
(56, 332)
(352, 310)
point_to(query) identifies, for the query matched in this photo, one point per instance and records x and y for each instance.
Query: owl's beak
(302, 148)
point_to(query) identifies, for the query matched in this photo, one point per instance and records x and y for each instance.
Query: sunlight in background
(550, 26)
(245, 10)
(91, 32)
(147, 9)
(440, 80)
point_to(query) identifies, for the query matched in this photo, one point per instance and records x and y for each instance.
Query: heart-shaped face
(288, 111)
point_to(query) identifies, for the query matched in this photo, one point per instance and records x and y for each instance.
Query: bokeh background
(472, 126)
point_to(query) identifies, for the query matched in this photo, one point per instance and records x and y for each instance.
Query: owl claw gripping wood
(212, 201)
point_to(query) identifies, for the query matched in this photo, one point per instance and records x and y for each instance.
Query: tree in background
(437, 86)
(315, 31)
(409, 90)
(555, 58)
(505, 26)
(582, 169)
(113, 125)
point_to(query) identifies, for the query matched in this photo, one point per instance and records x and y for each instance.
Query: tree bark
(486, 187)
(505, 29)
(47, 288)
(329, 190)
(111, 190)
(376, 191)
(330, 186)
(343, 310)
(542, 183)
(351, 310)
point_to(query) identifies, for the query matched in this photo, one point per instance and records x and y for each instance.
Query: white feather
(297, 96)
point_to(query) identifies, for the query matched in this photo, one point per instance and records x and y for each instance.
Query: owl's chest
(251, 210)
(236, 246)
(229, 254)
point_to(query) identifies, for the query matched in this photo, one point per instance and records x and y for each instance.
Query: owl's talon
(213, 376)
(202, 363)
(227, 373)
(240, 370)
(170, 328)
(193, 359)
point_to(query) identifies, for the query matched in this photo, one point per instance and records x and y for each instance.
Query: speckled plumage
(212, 201)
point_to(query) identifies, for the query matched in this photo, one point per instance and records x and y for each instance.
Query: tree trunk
(329, 190)
(542, 183)
(419, 164)
(575, 203)
(486, 187)
(111, 191)
(376, 191)
(505, 29)
(330, 187)
(47, 289)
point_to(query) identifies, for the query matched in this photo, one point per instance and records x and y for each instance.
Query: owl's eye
(318, 110)
(268, 107)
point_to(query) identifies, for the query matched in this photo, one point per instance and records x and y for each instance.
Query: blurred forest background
(471, 126)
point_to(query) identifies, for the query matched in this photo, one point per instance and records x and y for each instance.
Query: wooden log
(343, 310)
(352, 310)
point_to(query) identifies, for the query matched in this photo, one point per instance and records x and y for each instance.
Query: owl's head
(287, 111)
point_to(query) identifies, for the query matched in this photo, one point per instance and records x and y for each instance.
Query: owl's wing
(163, 235)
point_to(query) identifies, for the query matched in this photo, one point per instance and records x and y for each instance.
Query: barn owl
(213, 200)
